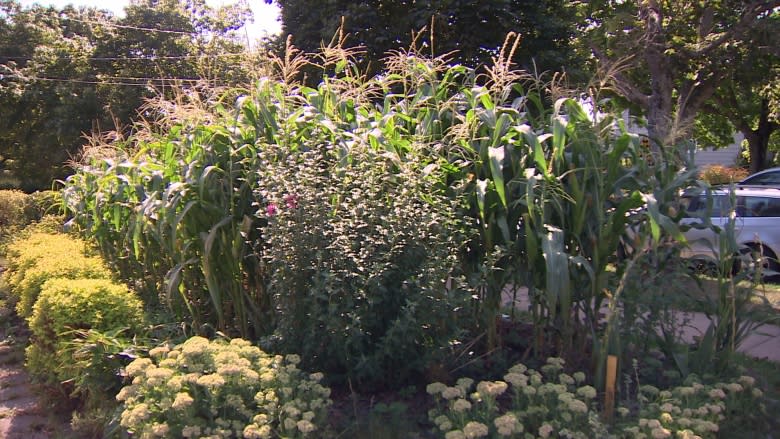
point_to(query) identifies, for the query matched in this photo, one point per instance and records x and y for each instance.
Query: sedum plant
(526, 404)
(549, 403)
(221, 389)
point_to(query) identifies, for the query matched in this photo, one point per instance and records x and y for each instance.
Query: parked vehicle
(767, 177)
(756, 216)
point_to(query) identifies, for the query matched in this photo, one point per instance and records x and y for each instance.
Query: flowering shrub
(549, 403)
(527, 403)
(719, 174)
(214, 389)
(363, 255)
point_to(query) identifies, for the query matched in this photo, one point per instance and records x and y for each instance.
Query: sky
(265, 16)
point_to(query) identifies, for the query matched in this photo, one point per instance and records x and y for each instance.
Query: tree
(46, 98)
(64, 73)
(669, 57)
(744, 101)
(476, 30)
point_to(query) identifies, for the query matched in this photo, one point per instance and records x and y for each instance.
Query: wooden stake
(609, 397)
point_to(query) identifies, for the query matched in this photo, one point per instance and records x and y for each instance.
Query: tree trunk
(758, 139)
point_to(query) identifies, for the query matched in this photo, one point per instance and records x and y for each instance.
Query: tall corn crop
(548, 190)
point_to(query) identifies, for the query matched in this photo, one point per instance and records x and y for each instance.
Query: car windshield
(771, 178)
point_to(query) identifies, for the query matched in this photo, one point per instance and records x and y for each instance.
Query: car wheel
(758, 258)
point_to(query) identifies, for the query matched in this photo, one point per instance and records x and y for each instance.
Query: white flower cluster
(549, 403)
(692, 411)
(214, 389)
(527, 404)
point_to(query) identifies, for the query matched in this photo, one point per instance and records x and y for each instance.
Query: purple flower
(271, 209)
(291, 200)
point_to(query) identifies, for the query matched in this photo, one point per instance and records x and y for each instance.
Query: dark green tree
(474, 30)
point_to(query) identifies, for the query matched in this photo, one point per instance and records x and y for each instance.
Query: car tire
(751, 255)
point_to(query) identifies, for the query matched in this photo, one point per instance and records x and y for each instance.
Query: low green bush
(66, 306)
(41, 204)
(205, 388)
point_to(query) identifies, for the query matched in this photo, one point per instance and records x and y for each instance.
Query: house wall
(722, 156)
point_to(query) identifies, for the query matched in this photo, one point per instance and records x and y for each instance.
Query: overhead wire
(117, 80)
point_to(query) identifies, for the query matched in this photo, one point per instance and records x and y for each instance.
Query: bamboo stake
(609, 397)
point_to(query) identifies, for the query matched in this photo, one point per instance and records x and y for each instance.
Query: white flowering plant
(219, 389)
(549, 403)
(526, 404)
(694, 410)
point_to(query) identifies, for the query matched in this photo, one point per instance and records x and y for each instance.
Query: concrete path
(763, 342)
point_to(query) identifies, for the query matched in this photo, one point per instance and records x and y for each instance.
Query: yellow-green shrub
(25, 251)
(12, 206)
(67, 305)
(39, 257)
(46, 268)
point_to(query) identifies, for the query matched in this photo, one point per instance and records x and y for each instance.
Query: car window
(769, 178)
(761, 206)
(696, 206)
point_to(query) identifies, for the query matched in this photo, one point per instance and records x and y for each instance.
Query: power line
(116, 80)
(125, 26)
(133, 58)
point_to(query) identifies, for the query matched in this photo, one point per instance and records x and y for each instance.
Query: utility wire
(125, 26)
(133, 58)
(117, 80)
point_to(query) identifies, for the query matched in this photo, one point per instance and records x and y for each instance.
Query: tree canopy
(65, 72)
(475, 31)
(669, 58)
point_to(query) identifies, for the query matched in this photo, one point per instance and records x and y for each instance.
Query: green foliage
(176, 217)
(363, 255)
(43, 203)
(41, 256)
(74, 70)
(234, 389)
(548, 190)
(67, 305)
(676, 59)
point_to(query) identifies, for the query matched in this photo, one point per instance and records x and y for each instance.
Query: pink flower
(271, 209)
(291, 200)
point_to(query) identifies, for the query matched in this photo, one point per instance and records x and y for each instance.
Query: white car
(767, 177)
(756, 216)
